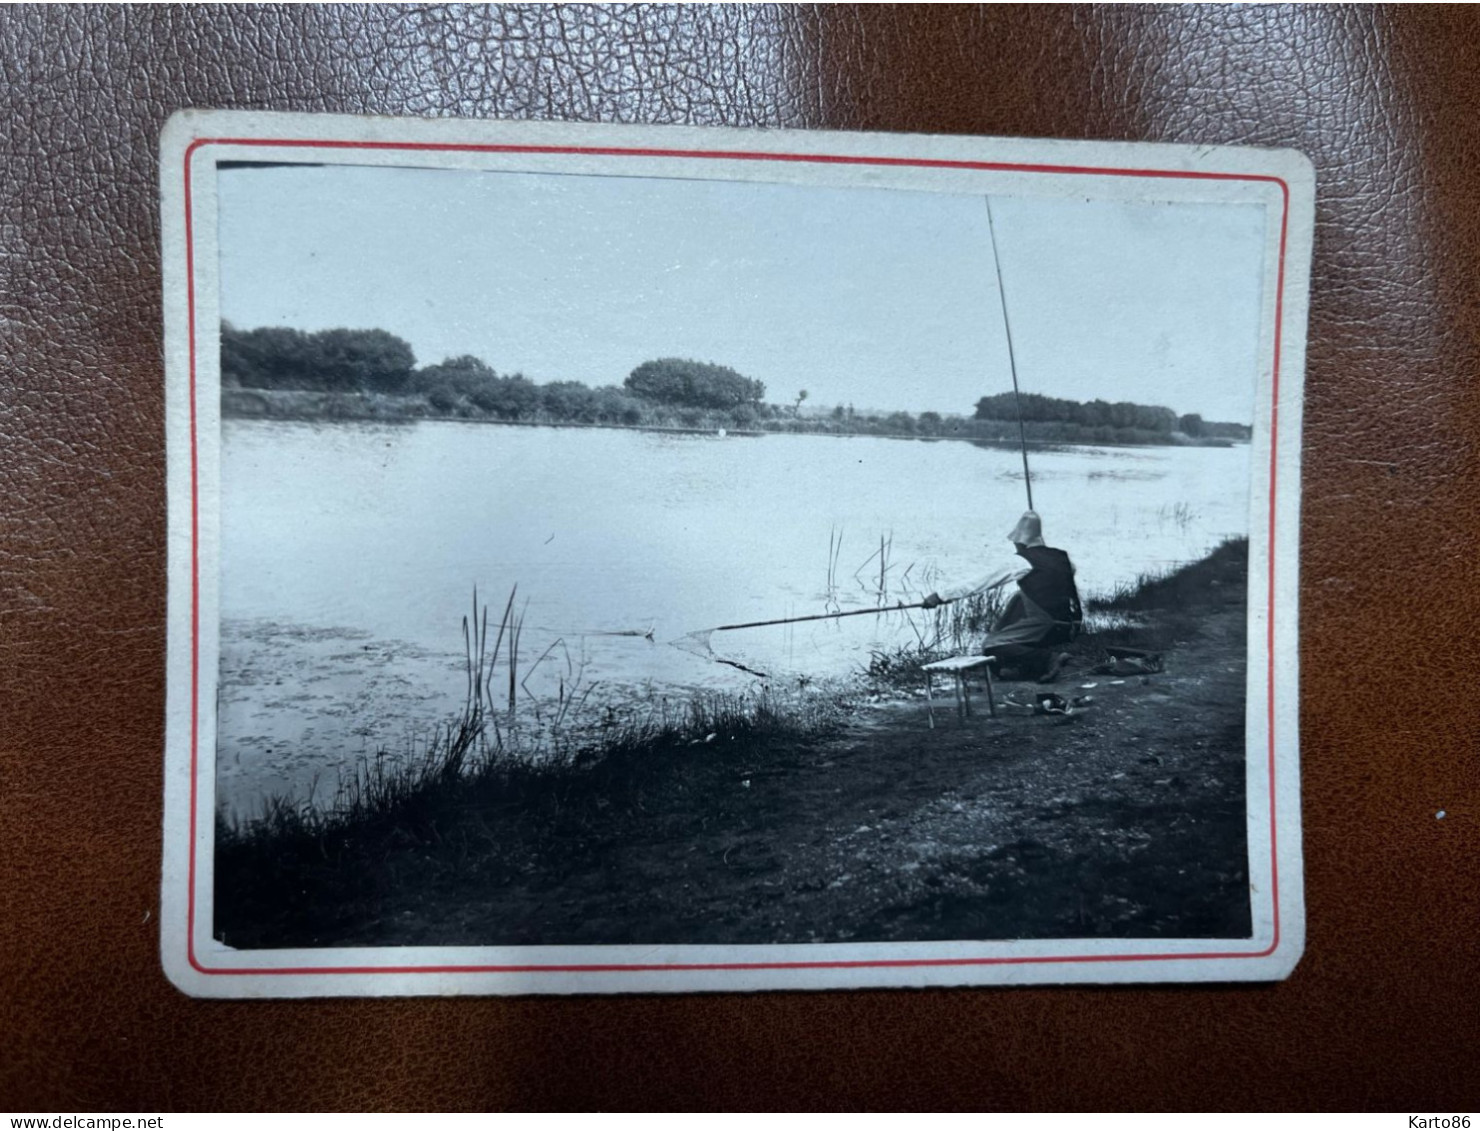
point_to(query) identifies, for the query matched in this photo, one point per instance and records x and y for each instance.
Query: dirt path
(1124, 820)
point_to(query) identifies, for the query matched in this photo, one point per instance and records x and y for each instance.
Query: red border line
(723, 155)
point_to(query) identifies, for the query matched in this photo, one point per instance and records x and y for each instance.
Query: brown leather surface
(1383, 1010)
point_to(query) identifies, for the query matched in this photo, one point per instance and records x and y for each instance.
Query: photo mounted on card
(611, 559)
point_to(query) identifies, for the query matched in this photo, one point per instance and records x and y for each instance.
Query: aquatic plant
(1180, 515)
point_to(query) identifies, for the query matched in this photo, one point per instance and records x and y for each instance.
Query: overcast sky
(878, 298)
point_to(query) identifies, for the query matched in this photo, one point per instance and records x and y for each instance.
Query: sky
(878, 298)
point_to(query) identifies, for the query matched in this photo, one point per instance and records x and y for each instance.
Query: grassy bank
(487, 800)
(486, 833)
(1146, 615)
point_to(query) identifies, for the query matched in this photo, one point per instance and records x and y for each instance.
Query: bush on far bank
(693, 384)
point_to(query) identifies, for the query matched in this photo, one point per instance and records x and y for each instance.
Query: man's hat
(1028, 531)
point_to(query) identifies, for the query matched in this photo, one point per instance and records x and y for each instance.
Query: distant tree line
(467, 386)
(1099, 415)
(345, 373)
(381, 370)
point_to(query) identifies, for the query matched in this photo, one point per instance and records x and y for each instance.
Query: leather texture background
(1383, 1010)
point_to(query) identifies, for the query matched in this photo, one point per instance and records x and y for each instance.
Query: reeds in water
(482, 750)
(834, 551)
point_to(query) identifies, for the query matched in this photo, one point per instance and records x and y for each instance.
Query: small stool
(959, 666)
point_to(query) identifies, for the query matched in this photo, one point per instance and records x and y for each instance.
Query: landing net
(699, 644)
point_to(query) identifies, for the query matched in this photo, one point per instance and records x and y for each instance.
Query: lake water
(350, 552)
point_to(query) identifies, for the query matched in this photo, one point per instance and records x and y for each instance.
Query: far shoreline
(305, 407)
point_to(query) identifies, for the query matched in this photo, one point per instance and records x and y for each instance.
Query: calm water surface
(350, 553)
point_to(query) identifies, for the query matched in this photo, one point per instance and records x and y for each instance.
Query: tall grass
(949, 630)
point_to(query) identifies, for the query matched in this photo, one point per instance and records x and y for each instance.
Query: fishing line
(643, 633)
(1017, 398)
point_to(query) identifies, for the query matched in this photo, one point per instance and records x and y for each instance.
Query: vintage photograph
(611, 560)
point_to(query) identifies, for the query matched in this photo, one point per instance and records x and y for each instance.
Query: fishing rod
(1017, 397)
(649, 633)
(822, 616)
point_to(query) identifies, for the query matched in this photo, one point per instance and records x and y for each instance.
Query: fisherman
(1042, 614)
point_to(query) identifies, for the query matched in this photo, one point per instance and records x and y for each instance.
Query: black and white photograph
(807, 570)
